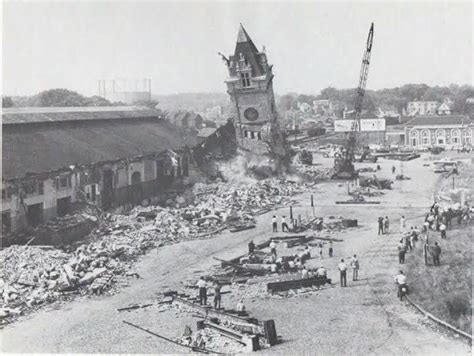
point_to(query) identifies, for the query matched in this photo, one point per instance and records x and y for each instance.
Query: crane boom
(343, 166)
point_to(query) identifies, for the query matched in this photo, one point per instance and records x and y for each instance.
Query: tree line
(397, 98)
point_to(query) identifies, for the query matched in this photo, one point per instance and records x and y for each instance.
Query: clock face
(251, 114)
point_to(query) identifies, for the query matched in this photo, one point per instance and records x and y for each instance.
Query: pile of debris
(36, 275)
(312, 173)
(375, 182)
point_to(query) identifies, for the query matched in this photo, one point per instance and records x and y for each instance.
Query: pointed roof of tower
(248, 49)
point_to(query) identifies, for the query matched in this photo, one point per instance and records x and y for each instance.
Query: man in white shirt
(202, 291)
(342, 269)
(321, 272)
(304, 273)
(442, 229)
(355, 268)
(273, 247)
(403, 223)
(401, 281)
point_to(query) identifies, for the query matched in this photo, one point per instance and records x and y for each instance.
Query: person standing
(436, 253)
(393, 169)
(330, 249)
(251, 247)
(442, 229)
(274, 224)
(402, 249)
(273, 250)
(320, 250)
(380, 225)
(284, 225)
(403, 223)
(304, 273)
(202, 291)
(342, 271)
(386, 224)
(355, 268)
(217, 295)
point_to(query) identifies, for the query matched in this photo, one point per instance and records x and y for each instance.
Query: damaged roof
(19, 115)
(41, 146)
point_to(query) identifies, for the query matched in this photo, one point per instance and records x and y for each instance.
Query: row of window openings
(33, 187)
(253, 135)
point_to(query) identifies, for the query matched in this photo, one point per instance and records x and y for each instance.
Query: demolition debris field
(305, 318)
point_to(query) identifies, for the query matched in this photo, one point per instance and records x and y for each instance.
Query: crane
(343, 166)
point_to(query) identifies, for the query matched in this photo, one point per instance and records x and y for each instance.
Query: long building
(441, 131)
(56, 158)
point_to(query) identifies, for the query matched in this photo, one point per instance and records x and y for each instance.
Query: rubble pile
(313, 173)
(211, 340)
(32, 275)
(375, 182)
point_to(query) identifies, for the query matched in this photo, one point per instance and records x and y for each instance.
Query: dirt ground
(363, 318)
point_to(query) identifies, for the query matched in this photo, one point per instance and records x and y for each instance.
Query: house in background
(384, 111)
(422, 108)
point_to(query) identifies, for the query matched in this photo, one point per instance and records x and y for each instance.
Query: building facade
(444, 131)
(58, 159)
(250, 86)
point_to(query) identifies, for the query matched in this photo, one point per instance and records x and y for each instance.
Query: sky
(312, 45)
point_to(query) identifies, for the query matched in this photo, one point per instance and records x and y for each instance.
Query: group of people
(354, 264)
(283, 224)
(203, 285)
(384, 225)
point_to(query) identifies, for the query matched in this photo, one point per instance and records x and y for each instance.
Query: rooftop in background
(434, 120)
(22, 115)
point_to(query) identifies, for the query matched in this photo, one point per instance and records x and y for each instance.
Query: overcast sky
(312, 45)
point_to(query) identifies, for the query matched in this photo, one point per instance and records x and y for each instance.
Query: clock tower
(250, 86)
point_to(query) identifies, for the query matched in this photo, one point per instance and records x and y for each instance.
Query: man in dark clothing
(217, 295)
(380, 226)
(251, 247)
(402, 249)
(393, 169)
(436, 251)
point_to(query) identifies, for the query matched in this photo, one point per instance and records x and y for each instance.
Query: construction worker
(202, 285)
(217, 295)
(274, 224)
(436, 252)
(355, 268)
(284, 225)
(342, 271)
